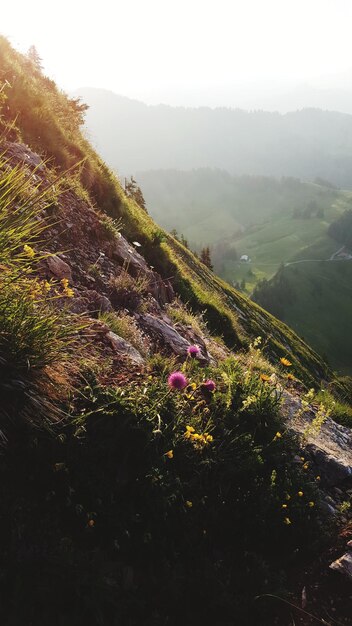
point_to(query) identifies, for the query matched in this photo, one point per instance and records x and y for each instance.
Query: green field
(282, 240)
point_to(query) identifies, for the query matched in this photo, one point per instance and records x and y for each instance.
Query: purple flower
(209, 385)
(177, 380)
(193, 351)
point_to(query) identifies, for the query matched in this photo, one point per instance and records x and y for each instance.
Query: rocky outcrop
(169, 336)
(328, 445)
(124, 348)
(343, 565)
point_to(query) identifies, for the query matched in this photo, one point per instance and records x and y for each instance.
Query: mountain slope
(132, 136)
(149, 475)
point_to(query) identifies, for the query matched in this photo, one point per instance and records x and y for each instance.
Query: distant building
(245, 258)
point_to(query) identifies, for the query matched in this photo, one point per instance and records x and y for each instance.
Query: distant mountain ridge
(134, 136)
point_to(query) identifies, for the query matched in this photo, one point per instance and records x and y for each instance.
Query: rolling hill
(132, 136)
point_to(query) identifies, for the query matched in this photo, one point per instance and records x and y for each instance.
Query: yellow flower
(287, 521)
(47, 286)
(68, 292)
(300, 494)
(28, 251)
(170, 454)
(317, 478)
(285, 362)
(305, 466)
(189, 504)
(290, 377)
(284, 506)
(64, 282)
(278, 435)
(189, 432)
(311, 504)
(264, 377)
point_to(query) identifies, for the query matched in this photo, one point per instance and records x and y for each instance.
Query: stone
(98, 302)
(124, 348)
(343, 565)
(58, 268)
(170, 336)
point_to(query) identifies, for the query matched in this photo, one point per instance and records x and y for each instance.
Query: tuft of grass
(179, 312)
(126, 327)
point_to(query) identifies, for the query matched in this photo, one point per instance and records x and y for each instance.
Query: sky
(186, 51)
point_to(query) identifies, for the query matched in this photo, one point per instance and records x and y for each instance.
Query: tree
(34, 57)
(133, 191)
(205, 257)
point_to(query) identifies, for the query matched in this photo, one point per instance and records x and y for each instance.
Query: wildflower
(193, 351)
(47, 286)
(189, 432)
(317, 478)
(177, 380)
(278, 435)
(311, 504)
(189, 504)
(284, 506)
(64, 282)
(290, 377)
(169, 454)
(300, 494)
(248, 401)
(68, 292)
(305, 466)
(285, 362)
(264, 377)
(287, 521)
(209, 385)
(28, 251)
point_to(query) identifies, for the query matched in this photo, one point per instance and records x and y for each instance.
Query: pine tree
(34, 57)
(205, 257)
(132, 190)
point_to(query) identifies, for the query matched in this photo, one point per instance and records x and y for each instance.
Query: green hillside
(151, 472)
(32, 98)
(266, 219)
(313, 295)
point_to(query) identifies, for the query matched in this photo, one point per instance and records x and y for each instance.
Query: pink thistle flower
(177, 380)
(193, 351)
(209, 385)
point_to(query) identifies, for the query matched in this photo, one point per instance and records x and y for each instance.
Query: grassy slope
(284, 239)
(321, 311)
(32, 98)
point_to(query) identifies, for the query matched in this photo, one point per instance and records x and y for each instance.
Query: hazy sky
(162, 50)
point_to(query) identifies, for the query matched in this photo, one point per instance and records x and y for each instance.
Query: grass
(225, 311)
(321, 307)
(126, 327)
(283, 239)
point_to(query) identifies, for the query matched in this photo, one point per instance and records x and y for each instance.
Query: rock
(329, 446)
(120, 250)
(124, 348)
(170, 336)
(21, 153)
(58, 268)
(343, 565)
(334, 469)
(98, 302)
